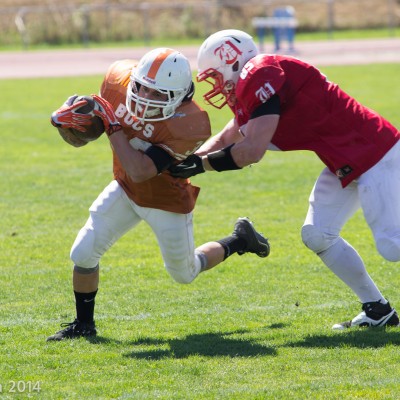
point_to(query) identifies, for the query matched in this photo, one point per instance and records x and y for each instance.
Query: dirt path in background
(56, 63)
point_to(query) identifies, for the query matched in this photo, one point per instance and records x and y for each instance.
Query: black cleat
(74, 330)
(374, 314)
(256, 243)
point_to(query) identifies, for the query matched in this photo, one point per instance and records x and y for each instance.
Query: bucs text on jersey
(315, 115)
(180, 135)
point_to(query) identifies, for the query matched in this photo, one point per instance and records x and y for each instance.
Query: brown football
(96, 129)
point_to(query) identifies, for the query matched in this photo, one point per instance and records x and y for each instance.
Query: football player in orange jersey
(282, 103)
(152, 123)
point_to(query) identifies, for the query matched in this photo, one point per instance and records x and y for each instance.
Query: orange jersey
(180, 135)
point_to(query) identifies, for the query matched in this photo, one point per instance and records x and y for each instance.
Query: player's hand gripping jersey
(179, 135)
(315, 115)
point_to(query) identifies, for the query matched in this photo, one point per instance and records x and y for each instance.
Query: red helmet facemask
(222, 93)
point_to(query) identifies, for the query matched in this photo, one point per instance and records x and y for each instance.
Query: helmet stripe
(155, 66)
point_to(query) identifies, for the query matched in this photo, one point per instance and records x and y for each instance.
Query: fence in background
(145, 21)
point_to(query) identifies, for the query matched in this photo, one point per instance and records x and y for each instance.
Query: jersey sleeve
(259, 85)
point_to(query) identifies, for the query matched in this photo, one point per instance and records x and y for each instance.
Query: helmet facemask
(146, 109)
(222, 92)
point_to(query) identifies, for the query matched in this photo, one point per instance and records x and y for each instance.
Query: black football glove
(193, 165)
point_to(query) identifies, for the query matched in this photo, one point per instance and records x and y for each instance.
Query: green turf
(250, 329)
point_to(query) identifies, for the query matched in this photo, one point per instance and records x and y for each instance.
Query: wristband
(222, 160)
(161, 159)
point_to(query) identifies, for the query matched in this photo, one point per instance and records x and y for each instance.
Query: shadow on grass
(224, 344)
(362, 338)
(206, 344)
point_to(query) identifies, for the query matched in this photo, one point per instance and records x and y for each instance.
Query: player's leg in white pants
(174, 234)
(379, 193)
(330, 207)
(113, 214)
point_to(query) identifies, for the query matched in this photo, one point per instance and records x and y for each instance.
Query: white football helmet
(165, 70)
(220, 60)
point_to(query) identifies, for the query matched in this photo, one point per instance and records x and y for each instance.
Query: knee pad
(316, 240)
(389, 248)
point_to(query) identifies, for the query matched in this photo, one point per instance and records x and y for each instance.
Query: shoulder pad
(120, 71)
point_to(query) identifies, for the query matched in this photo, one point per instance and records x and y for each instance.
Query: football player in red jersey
(282, 103)
(152, 122)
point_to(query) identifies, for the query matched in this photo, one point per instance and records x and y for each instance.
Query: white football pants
(377, 191)
(113, 214)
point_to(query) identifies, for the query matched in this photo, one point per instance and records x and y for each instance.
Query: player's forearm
(137, 165)
(228, 135)
(213, 144)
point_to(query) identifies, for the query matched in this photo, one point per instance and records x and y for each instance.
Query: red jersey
(315, 115)
(180, 135)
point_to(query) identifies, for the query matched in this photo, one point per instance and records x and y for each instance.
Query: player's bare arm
(228, 135)
(232, 148)
(137, 164)
(258, 133)
(257, 136)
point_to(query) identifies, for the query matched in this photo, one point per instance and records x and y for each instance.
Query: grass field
(250, 329)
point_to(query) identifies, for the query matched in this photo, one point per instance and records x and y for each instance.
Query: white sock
(344, 261)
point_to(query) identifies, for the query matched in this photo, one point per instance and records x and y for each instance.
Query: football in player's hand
(96, 128)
